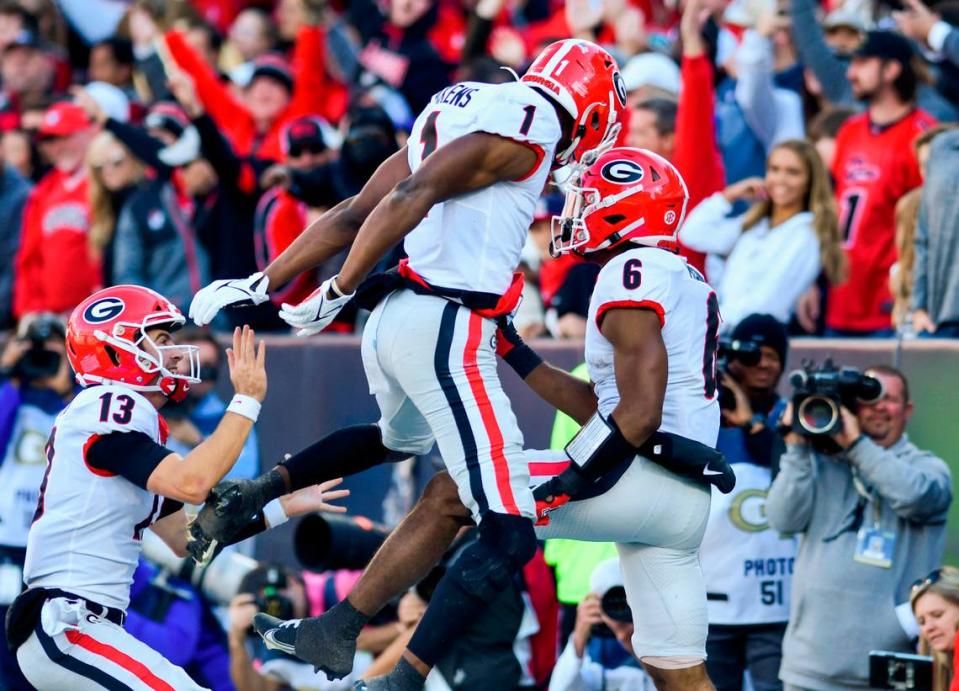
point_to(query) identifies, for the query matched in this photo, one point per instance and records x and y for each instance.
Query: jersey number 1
(428, 136)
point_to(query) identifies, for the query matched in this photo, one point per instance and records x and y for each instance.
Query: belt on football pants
(111, 614)
(376, 287)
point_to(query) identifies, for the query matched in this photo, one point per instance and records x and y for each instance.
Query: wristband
(523, 360)
(275, 514)
(336, 289)
(244, 405)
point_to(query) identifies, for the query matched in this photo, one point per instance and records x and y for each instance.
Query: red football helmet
(584, 79)
(627, 195)
(104, 337)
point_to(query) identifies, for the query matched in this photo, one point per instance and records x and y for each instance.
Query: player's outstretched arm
(326, 236)
(338, 227)
(190, 478)
(469, 163)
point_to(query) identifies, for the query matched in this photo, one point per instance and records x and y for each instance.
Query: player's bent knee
(511, 536)
(504, 546)
(441, 497)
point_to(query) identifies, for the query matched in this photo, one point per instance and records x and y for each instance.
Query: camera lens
(870, 390)
(818, 415)
(615, 606)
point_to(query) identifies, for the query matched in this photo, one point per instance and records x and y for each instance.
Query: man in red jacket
(276, 94)
(54, 268)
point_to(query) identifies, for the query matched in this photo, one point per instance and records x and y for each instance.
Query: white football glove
(231, 292)
(316, 312)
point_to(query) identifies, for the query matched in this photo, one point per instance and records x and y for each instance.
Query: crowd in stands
(171, 143)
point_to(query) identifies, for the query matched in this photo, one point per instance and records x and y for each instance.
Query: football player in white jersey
(651, 353)
(462, 193)
(651, 341)
(109, 478)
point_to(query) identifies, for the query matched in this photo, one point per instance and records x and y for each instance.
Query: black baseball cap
(764, 330)
(304, 133)
(886, 45)
(273, 67)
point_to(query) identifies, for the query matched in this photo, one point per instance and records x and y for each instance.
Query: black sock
(450, 612)
(344, 452)
(403, 677)
(329, 641)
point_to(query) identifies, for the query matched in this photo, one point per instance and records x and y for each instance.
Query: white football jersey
(473, 242)
(747, 564)
(688, 311)
(85, 537)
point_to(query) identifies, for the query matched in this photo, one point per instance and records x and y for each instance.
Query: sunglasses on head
(929, 580)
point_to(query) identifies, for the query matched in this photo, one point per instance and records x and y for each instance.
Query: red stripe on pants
(540, 468)
(118, 657)
(500, 466)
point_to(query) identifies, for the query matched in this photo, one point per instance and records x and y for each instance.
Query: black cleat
(277, 633)
(313, 640)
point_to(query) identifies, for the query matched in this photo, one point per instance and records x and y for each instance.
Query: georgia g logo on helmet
(620, 86)
(103, 310)
(622, 172)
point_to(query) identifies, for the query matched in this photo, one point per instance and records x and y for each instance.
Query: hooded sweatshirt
(842, 608)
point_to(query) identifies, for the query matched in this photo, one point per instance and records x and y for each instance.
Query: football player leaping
(462, 193)
(109, 478)
(651, 352)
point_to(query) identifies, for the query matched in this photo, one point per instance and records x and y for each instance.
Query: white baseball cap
(652, 69)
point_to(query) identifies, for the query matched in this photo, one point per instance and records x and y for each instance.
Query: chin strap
(174, 388)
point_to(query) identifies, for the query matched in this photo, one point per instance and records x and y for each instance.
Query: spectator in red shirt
(54, 267)
(276, 93)
(874, 166)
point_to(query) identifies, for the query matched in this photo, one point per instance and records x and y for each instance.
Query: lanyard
(868, 497)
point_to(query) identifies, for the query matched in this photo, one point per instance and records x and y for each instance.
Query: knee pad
(504, 546)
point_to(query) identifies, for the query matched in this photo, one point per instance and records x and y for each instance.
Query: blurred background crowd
(169, 143)
(172, 143)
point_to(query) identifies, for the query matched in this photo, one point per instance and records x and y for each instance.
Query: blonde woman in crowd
(900, 273)
(775, 251)
(935, 602)
(113, 173)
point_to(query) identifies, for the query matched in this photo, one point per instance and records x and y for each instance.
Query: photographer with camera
(746, 564)
(35, 385)
(281, 592)
(871, 508)
(599, 654)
